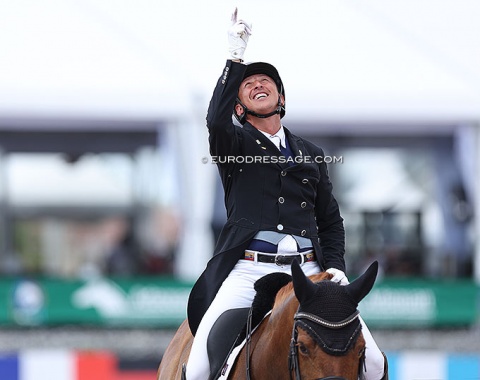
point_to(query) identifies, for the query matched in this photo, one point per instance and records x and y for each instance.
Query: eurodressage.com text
(273, 160)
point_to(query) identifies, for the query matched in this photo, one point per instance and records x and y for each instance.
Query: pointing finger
(234, 16)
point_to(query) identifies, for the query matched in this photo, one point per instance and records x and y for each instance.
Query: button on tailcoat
(264, 191)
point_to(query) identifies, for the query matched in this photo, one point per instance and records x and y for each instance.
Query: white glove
(238, 36)
(338, 276)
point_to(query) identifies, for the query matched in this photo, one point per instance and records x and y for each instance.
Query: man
(278, 196)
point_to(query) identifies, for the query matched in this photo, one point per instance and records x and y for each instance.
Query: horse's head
(327, 341)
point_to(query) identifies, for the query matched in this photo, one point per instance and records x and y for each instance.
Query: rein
(248, 342)
(293, 362)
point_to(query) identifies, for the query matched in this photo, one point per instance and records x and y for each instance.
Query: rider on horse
(278, 197)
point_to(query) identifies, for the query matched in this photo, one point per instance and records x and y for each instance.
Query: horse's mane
(286, 293)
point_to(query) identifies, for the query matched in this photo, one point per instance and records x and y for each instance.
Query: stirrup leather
(184, 372)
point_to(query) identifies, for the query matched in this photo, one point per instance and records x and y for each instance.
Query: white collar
(277, 138)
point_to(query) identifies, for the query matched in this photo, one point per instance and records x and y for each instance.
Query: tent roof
(340, 61)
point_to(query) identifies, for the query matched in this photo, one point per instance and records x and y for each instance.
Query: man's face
(258, 93)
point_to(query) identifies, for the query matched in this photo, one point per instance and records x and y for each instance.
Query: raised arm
(223, 139)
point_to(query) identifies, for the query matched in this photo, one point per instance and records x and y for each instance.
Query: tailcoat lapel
(267, 148)
(259, 136)
(297, 147)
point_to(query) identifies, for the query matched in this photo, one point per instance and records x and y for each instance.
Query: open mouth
(260, 95)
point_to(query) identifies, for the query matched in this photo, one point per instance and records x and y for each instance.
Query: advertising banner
(161, 302)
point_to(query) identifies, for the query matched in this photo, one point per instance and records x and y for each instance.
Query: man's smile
(260, 95)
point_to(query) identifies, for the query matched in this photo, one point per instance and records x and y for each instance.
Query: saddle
(231, 328)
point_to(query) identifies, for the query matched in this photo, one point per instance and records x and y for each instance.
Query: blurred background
(108, 211)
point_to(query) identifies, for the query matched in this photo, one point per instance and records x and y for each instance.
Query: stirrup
(184, 372)
(385, 367)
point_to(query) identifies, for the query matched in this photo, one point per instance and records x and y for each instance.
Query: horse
(312, 332)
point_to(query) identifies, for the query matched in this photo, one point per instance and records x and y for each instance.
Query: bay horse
(312, 332)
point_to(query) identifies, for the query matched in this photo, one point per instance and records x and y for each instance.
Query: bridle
(293, 362)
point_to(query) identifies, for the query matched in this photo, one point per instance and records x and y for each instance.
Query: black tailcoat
(263, 192)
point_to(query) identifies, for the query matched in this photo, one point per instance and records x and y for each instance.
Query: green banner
(417, 303)
(161, 302)
(155, 302)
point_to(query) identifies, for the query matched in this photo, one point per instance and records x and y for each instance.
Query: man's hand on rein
(338, 276)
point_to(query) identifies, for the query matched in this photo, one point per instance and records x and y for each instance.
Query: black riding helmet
(255, 68)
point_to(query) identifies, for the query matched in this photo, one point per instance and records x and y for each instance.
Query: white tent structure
(340, 60)
(358, 67)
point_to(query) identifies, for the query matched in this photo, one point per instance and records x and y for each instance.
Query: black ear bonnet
(334, 303)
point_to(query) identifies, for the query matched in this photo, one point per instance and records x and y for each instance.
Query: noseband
(293, 362)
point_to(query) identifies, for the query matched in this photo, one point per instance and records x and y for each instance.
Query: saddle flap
(230, 329)
(222, 337)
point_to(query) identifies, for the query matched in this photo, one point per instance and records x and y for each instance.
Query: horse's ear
(362, 285)
(304, 288)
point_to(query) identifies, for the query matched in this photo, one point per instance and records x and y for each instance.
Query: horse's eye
(302, 348)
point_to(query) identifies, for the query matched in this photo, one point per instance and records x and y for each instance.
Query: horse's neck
(285, 307)
(280, 322)
(271, 341)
